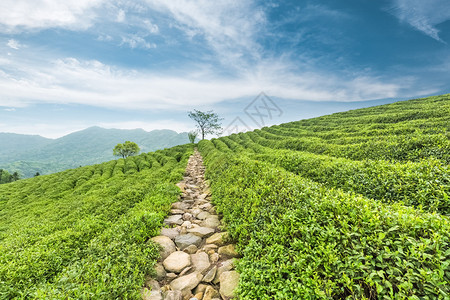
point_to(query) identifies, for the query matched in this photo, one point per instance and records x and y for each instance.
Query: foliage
(338, 207)
(126, 149)
(6, 177)
(302, 240)
(84, 233)
(192, 135)
(29, 154)
(207, 122)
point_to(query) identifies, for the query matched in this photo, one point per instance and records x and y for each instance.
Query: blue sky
(67, 65)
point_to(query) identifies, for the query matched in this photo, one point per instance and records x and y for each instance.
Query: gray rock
(224, 266)
(212, 221)
(177, 211)
(184, 240)
(191, 249)
(160, 272)
(180, 205)
(229, 281)
(173, 220)
(203, 215)
(177, 261)
(173, 295)
(167, 245)
(200, 261)
(170, 232)
(202, 231)
(146, 294)
(186, 283)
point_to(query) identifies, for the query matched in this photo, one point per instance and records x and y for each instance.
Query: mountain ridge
(29, 154)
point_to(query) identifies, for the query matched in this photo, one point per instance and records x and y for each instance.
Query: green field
(83, 233)
(353, 205)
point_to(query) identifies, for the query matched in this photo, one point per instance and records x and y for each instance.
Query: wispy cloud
(422, 15)
(135, 41)
(14, 44)
(29, 15)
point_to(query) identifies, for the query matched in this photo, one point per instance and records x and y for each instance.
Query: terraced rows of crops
(351, 205)
(83, 233)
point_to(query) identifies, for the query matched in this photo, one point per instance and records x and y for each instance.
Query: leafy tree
(207, 122)
(192, 136)
(15, 176)
(126, 149)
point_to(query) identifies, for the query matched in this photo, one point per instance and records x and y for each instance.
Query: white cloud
(37, 14)
(135, 41)
(14, 44)
(422, 15)
(94, 83)
(10, 109)
(229, 27)
(121, 16)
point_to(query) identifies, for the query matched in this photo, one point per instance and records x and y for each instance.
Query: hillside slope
(84, 233)
(353, 205)
(31, 154)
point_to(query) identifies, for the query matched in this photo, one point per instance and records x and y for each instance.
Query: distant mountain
(29, 154)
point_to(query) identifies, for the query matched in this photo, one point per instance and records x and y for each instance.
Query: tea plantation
(352, 205)
(83, 233)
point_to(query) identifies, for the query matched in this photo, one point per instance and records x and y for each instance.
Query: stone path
(197, 261)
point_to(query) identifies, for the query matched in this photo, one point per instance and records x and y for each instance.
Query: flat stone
(210, 275)
(173, 295)
(229, 281)
(173, 220)
(184, 240)
(187, 224)
(200, 288)
(210, 293)
(177, 261)
(171, 276)
(218, 238)
(228, 251)
(206, 206)
(160, 272)
(185, 271)
(224, 266)
(202, 231)
(186, 283)
(200, 261)
(214, 257)
(203, 215)
(147, 294)
(170, 232)
(180, 205)
(212, 221)
(187, 216)
(167, 245)
(196, 211)
(198, 296)
(177, 211)
(191, 249)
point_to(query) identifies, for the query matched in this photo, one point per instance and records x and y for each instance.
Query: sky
(68, 65)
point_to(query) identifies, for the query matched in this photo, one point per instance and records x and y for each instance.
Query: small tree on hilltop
(126, 149)
(192, 136)
(207, 122)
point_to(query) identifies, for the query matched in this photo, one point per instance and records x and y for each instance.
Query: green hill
(352, 205)
(30, 154)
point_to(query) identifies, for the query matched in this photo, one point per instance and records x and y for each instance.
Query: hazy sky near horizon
(67, 65)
